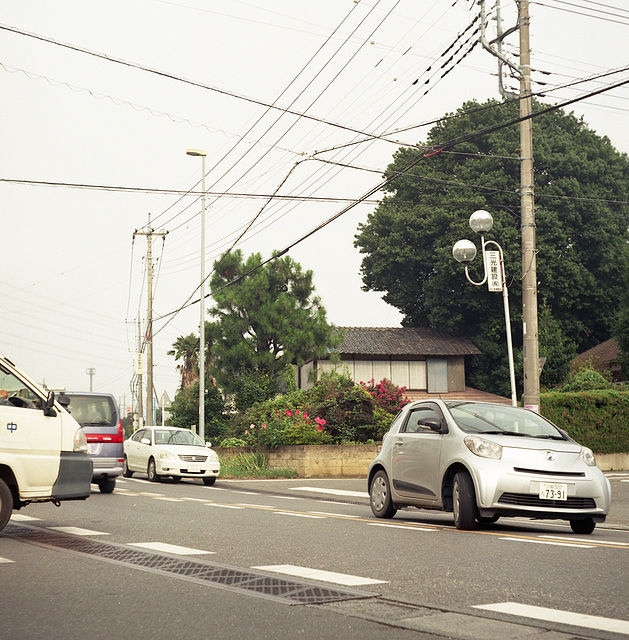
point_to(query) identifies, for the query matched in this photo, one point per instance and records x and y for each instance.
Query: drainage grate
(256, 583)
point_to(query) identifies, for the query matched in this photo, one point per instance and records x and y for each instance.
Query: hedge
(596, 419)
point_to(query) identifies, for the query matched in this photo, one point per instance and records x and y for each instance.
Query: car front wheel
(463, 501)
(380, 496)
(6, 503)
(208, 482)
(584, 527)
(151, 472)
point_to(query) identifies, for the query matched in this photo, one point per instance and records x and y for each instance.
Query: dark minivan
(99, 416)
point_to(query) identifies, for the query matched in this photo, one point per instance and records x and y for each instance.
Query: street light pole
(464, 251)
(201, 427)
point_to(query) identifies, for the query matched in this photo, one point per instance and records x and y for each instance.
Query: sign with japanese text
(494, 270)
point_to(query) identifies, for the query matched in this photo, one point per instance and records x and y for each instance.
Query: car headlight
(167, 455)
(80, 441)
(212, 456)
(587, 456)
(483, 448)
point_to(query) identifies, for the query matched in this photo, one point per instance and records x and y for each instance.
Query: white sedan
(167, 451)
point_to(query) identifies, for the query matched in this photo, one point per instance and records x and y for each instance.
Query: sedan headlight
(483, 448)
(587, 456)
(212, 456)
(167, 455)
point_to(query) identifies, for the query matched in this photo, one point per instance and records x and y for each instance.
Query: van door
(29, 438)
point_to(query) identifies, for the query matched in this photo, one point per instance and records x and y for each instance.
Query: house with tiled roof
(428, 362)
(604, 357)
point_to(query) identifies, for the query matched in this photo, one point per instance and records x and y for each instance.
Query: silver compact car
(168, 451)
(482, 461)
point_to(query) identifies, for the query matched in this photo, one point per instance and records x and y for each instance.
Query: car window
(412, 424)
(12, 387)
(183, 437)
(138, 435)
(93, 410)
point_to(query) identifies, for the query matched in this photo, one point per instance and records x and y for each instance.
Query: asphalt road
(302, 559)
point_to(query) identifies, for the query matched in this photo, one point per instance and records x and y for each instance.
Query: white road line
(150, 495)
(169, 499)
(336, 515)
(224, 506)
(324, 576)
(296, 515)
(195, 499)
(20, 517)
(558, 544)
(571, 539)
(78, 531)
(6, 560)
(334, 492)
(170, 548)
(555, 615)
(399, 526)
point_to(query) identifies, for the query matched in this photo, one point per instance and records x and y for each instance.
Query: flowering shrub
(287, 426)
(387, 395)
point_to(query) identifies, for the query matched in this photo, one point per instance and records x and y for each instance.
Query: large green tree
(621, 331)
(267, 317)
(581, 190)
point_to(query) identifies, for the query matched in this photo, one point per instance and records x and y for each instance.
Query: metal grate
(286, 590)
(526, 500)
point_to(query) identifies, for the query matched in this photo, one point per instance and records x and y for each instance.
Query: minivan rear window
(93, 411)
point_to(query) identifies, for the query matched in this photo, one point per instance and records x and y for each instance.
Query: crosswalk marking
(79, 531)
(556, 615)
(170, 548)
(316, 574)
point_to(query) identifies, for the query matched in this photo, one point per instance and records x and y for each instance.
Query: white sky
(73, 285)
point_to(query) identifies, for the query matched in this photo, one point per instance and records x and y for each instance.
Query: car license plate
(552, 491)
(194, 468)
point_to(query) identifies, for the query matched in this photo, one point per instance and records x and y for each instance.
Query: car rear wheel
(126, 472)
(6, 504)
(464, 501)
(208, 482)
(583, 527)
(107, 485)
(380, 496)
(151, 472)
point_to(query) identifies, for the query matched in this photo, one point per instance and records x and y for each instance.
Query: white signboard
(139, 364)
(494, 270)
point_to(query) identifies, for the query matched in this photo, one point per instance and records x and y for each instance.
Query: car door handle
(398, 443)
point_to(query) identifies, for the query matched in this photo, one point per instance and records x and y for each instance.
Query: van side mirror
(63, 400)
(49, 409)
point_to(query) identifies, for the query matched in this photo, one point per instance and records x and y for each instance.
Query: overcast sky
(101, 99)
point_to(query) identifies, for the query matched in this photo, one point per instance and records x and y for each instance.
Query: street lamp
(202, 154)
(464, 251)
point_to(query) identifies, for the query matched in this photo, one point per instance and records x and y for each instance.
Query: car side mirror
(63, 400)
(145, 440)
(49, 409)
(434, 424)
(208, 444)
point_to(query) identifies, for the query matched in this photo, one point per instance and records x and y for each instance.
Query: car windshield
(503, 420)
(183, 437)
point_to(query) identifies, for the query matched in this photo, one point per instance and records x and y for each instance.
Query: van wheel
(464, 501)
(151, 472)
(107, 485)
(6, 504)
(126, 472)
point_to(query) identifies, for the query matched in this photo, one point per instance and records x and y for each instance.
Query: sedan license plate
(194, 468)
(552, 491)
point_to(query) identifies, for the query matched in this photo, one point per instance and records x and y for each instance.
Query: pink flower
(252, 426)
(305, 415)
(264, 426)
(297, 413)
(319, 428)
(288, 413)
(246, 432)
(320, 421)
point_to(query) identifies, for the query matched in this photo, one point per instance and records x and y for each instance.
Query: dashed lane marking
(224, 506)
(170, 548)
(555, 615)
(549, 542)
(400, 526)
(333, 492)
(6, 560)
(297, 515)
(316, 574)
(79, 531)
(20, 517)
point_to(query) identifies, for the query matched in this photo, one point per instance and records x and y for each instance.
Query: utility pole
(527, 209)
(149, 232)
(139, 369)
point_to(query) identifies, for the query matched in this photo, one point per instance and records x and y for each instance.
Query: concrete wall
(352, 460)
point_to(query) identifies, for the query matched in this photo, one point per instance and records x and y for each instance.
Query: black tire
(126, 472)
(176, 478)
(380, 496)
(152, 473)
(584, 527)
(107, 485)
(6, 504)
(464, 501)
(208, 482)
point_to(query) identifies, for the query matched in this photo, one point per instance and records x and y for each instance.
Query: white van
(43, 450)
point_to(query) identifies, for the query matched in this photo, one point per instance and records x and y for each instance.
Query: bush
(596, 419)
(586, 379)
(387, 395)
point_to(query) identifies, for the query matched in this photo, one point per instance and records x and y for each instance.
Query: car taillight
(107, 437)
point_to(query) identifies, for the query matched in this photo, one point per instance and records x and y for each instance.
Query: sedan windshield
(183, 437)
(474, 417)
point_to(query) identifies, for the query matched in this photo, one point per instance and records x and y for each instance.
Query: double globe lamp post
(464, 251)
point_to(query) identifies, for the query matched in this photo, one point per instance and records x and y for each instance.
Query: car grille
(531, 500)
(565, 474)
(193, 458)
